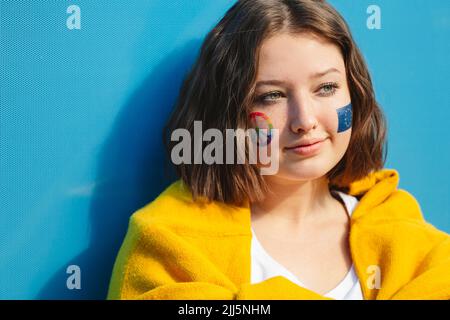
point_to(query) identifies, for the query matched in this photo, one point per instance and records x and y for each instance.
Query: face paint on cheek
(262, 122)
(345, 116)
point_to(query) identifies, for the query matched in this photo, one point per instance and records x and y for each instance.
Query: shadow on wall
(132, 170)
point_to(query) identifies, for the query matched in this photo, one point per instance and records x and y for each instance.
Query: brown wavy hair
(219, 91)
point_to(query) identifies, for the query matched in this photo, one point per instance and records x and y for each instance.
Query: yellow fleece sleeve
(275, 288)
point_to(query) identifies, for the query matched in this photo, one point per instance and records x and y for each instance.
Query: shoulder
(398, 205)
(176, 210)
(400, 215)
(401, 204)
(380, 197)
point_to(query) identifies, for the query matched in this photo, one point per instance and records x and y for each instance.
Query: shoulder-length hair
(219, 91)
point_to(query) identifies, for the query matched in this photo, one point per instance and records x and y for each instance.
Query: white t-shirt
(263, 266)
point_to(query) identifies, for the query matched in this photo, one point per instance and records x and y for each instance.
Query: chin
(302, 173)
(314, 167)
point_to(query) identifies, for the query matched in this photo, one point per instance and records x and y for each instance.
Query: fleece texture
(176, 248)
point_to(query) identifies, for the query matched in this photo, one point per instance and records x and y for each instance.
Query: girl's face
(300, 84)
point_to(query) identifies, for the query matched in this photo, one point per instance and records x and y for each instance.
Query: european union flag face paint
(345, 116)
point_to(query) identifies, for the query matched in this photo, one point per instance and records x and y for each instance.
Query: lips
(306, 143)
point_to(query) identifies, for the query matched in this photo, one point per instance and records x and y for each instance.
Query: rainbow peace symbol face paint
(262, 122)
(345, 116)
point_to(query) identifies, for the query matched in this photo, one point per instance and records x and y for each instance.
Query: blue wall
(82, 110)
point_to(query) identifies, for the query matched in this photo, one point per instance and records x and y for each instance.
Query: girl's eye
(270, 97)
(328, 89)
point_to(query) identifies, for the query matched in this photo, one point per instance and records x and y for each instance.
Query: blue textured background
(82, 110)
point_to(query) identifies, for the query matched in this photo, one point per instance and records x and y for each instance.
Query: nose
(302, 115)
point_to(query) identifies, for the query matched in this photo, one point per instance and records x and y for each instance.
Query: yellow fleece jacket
(176, 248)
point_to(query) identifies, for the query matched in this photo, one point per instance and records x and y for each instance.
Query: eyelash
(334, 86)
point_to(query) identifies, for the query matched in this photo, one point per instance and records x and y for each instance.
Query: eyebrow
(280, 82)
(321, 74)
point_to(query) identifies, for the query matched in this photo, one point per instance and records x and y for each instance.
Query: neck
(294, 202)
